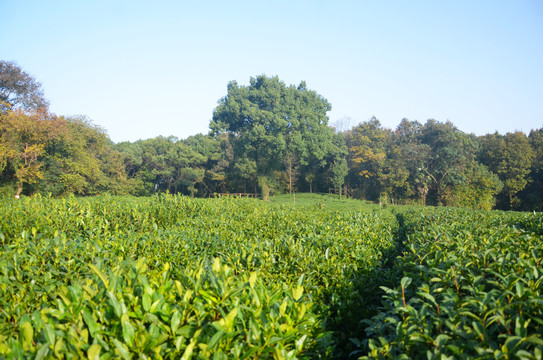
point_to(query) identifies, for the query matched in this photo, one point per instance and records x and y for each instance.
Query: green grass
(319, 201)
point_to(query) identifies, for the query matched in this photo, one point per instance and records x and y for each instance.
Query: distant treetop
(19, 90)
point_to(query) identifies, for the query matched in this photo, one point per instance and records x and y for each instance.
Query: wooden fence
(237, 195)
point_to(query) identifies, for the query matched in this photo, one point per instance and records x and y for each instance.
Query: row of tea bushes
(471, 287)
(126, 312)
(174, 277)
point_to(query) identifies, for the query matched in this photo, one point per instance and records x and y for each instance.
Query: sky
(140, 69)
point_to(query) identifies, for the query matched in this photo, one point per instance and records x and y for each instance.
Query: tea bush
(471, 287)
(175, 277)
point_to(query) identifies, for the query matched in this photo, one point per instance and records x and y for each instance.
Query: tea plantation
(171, 277)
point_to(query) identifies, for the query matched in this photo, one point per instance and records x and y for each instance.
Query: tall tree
(338, 168)
(90, 164)
(533, 194)
(218, 158)
(269, 123)
(407, 155)
(166, 164)
(186, 168)
(510, 156)
(292, 172)
(367, 153)
(477, 191)
(18, 90)
(393, 176)
(451, 151)
(23, 139)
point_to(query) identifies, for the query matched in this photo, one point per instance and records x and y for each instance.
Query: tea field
(171, 277)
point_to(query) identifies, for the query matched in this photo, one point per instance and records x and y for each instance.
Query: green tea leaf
(100, 274)
(441, 340)
(42, 352)
(115, 304)
(520, 289)
(187, 354)
(49, 333)
(146, 302)
(93, 353)
(27, 332)
(297, 293)
(283, 307)
(128, 332)
(252, 279)
(123, 351)
(91, 323)
(58, 348)
(176, 319)
(215, 339)
(216, 265)
(405, 282)
(229, 319)
(186, 331)
(300, 343)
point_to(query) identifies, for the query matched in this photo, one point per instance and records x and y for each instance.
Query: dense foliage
(272, 127)
(170, 276)
(176, 277)
(265, 138)
(471, 287)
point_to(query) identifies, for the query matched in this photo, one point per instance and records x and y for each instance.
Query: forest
(265, 138)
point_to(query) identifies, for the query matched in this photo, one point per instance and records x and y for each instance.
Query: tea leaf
(93, 353)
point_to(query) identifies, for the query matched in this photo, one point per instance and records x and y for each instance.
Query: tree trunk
(290, 163)
(265, 193)
(265, 188)
(423, 192)
(19, 189)
(511, 198)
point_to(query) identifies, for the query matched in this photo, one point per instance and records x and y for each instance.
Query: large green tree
(510, 156)
(451, 153)
(338, 167)
(477, 191)
(533, 194)
(394, 174)
(402, 177)
(218, 155)
(165, 164)
(273, 127)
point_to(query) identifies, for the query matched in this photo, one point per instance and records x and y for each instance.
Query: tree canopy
(19, 90)
(272, 126)
(271, 136)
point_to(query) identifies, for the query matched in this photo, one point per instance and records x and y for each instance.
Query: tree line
(266, 137)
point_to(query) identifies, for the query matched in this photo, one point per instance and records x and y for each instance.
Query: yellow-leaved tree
(23, 139)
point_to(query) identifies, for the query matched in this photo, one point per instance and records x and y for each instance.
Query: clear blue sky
(146, 68)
